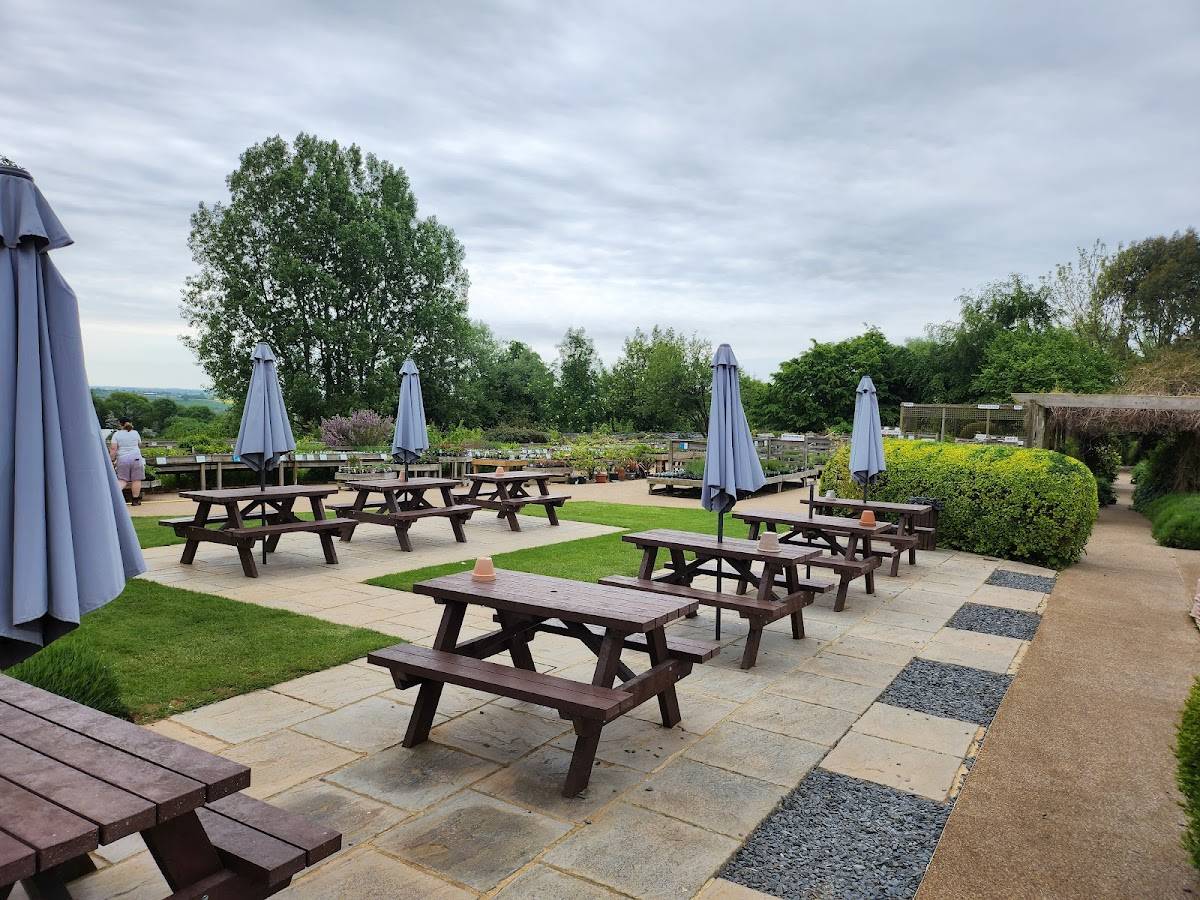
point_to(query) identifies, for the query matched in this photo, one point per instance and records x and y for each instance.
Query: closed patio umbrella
(265, 434)
(412, 435)
(866, 439)
(730, 460)
(67, 545)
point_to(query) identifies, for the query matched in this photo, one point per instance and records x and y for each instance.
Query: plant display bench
(399, 503)
(737, 556)
(607, 620)
(668, 484)
(507, 493)
(72, 779)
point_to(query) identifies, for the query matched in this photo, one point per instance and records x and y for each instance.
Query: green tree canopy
(661, 381)
(578, 374)
(1155, 284)
(320, 251)
(1052, 359)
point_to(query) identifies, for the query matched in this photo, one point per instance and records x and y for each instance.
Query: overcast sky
(760, 173)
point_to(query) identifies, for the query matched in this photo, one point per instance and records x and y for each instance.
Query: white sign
(988, 406)
(201, 459)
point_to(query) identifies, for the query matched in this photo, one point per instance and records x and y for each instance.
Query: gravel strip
(1005, 578)
(946, 690)
(998, 620)
(836, 836)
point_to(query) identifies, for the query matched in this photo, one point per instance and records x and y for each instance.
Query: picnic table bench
(509, 494)
(236, 528)
(760, 610)
(605, 619)
(826, 532)
(73, 778)
(908, 533)
(401, 503)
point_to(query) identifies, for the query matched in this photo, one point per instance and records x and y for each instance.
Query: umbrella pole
(720, 538)
(262, 486)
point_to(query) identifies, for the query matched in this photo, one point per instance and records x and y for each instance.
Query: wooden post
(203, 478)
(942, 434)
(220, 478)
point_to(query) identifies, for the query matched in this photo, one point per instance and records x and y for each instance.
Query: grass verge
(171, 650)
(587, 559)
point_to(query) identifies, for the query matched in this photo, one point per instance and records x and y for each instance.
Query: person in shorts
(126, 453)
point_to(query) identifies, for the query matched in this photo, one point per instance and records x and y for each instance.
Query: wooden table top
(544, 597)
(252, 492)
(873, 505)
(402, 484)
(729, 548)
(72, 778)
(524, 475)
(796, 519)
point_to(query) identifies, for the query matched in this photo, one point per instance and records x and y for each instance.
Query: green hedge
(73, 670)
(1032, 505)
(1187, 774)
(1175, 520)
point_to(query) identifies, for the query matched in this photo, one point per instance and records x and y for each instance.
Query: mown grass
(172, 650)
(587, 559)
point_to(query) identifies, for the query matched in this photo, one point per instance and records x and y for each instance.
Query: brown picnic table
(737, 556)
(908, 515)
(401, 502)
(826, 532)
(243, 507)
(508, 494)
(607, 620)
(72, 778)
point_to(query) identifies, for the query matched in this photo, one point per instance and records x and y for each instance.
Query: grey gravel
(947, 690)
(836, 836)
(1013, 623)
(1005, 578)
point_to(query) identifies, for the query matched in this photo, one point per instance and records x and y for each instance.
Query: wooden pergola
(1048, 414)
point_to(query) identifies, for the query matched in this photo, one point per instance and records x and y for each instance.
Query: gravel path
(1005, 578)
(998, 620)
(836, 836)
(946, 690)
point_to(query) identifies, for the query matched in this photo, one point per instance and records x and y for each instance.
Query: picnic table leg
(586, 742)
(191, 545)
(646, 571)
(910, 529)
(608, 658)
(668, 701)
(518, 645)
(430, 692)
(245, 551)
(793, 587)
(505, 510)
(183, 852)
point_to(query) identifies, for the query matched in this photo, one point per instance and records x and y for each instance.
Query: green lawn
(587, 559)
(151, 534)
(172, 650)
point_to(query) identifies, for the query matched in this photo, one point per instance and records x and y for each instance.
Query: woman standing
(126, 453)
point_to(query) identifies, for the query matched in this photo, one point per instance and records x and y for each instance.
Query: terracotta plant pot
(601, 478)
(867, 519)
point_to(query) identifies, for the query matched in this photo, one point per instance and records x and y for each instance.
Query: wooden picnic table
(72, 778)
(605, 619)
(509, 495)
(401, 503)
(242, 506)
(827, 532)
(737, 557)
(907, 516)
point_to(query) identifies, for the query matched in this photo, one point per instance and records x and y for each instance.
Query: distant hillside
(182, 396)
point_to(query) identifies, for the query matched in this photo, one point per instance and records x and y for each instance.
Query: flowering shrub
(362, 428)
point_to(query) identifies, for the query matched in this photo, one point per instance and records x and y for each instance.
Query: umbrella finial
(9, 167)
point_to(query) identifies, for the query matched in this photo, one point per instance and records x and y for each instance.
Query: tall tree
(320, 251)
(1051, 359)
(578, 373)
(661, 381)
(1156, 283)
(520, 386)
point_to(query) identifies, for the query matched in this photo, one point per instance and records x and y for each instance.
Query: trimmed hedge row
(1187, 774)
(1175, 520)
(1033, 505)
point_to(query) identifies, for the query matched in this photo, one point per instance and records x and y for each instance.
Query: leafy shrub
(516, 434)
(362, 428)
(1187, 772)
(72, 669)
(203, 443)
(1175, 520)
(1015, 503)
(455, 440)
(1172, 467)
(183, 427)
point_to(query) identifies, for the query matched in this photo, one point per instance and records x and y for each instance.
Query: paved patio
(477, 811)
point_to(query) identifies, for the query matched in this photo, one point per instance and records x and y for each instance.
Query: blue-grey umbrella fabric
(866, 440)
(412, 434)
(67, 545)
(731, 463)
(265, 434)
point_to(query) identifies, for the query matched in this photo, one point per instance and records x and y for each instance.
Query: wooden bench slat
(571, 697)
(250, 852)
(17, 860)
(316, 842)
(690, 650)
(116, 812)
(742, 602)
(218, 775)
(171, 792)
(191, 520)
(289, 527)
(55, 834)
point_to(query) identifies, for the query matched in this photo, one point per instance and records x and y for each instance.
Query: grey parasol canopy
(866, 440)
(67, 545)
(265, 434)
(412, 434)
